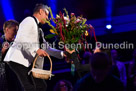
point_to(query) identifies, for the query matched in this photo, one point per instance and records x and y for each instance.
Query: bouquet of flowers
(69, 29)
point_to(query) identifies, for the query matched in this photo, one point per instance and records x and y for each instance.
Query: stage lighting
(7, 9)
(109, 26)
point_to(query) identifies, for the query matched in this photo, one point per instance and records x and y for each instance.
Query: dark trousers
(12, 81)
(3, 80)
(28, 82)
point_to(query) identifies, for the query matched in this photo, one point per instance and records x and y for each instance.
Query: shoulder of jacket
(28, 19)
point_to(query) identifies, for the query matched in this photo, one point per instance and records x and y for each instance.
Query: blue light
(53, 5)
(7, 9)
(108, 7)
(109, 26)
(109, 4)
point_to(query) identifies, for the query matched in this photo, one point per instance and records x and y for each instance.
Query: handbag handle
(48, 58)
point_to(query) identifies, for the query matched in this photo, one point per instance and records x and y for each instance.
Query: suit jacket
(26, 44)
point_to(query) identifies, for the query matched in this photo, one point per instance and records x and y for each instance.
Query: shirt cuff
(35, 51)
(62, 53)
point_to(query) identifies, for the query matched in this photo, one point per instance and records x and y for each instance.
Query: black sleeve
(1, 41)
(78, 86)
(0, 52)
(84, 84)
(0, 45)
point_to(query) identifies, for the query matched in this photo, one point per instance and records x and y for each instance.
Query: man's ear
(6, 30)
(40, 11)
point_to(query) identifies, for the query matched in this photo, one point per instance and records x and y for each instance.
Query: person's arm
(123, 76)
(55, 53)
(130, 69)
(0, 44)
(0, 49)
(51, 51)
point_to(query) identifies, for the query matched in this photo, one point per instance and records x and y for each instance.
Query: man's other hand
(41, 53)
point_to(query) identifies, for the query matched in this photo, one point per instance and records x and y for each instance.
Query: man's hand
(5, 46)
(97, 50)
(3, 50)
(41, 53)
(69, 51)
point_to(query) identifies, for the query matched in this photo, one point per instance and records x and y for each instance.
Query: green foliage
(50, 36)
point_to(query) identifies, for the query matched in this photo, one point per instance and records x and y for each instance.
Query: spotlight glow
(7, 9)
(108, 26)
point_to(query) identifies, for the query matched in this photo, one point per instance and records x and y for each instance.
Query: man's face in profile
(44, 16)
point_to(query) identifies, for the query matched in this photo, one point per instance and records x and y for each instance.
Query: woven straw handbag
(40, 73)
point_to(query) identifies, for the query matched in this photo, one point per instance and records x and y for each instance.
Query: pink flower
(77, 21)
(72, 14)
